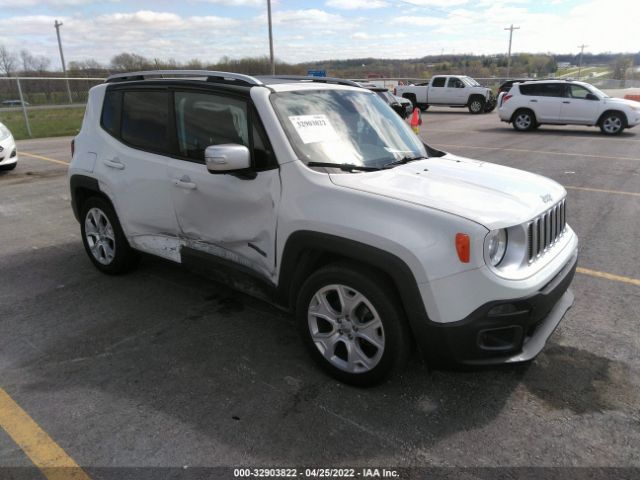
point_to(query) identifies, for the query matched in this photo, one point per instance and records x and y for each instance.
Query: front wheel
(352, 324)
(103, 238)
(612, 124)
(476, 105)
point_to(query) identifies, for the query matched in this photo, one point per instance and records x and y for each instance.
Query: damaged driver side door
(230, 215)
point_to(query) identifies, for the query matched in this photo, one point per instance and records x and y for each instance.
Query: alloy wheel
(100, 236)
(346, 328)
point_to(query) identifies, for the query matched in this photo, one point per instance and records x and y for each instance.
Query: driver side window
(576, 91)
(204, 119)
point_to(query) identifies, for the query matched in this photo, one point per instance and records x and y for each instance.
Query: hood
(486, 193)
(622, 101)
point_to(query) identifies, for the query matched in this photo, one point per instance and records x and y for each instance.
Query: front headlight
(497, 246)
(4, 132)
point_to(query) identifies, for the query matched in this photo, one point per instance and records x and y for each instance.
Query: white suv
(529, 104)
(318, 195)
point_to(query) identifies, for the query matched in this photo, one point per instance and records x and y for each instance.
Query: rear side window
(145, 120)
(529, 89)
(438, 82)
(543, 89)
(111, 109)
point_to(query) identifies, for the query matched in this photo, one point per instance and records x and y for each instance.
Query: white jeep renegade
(318, 192)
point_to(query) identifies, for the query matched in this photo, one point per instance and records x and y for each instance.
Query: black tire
(490, 106)
(386, 311)
(524, 120)
(424, 108)
(476, 105)
(412, 98)
(8, 167)
(612, 123)
(124, 258)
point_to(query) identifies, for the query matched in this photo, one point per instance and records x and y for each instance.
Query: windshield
(345, 126)
(386, 96)
(470, 81)
(596, 91)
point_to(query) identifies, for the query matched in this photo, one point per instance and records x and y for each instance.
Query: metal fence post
(24, 108)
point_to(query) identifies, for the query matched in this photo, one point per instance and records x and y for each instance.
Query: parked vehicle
(389, 99)
(8, 150)
(13, 103)
(506, 85)
(406, 103)
(449, 90)
(566, 102)
(318, 195)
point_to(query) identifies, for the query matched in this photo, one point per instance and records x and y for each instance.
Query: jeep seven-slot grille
(545, 230)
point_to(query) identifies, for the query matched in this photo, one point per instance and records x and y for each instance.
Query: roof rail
(303, 78)
(211, 76)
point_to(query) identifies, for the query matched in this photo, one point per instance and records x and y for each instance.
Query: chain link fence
(43, 106)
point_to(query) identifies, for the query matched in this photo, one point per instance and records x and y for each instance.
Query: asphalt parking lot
(164, 368)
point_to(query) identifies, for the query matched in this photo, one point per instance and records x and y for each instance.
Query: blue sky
(316, 30)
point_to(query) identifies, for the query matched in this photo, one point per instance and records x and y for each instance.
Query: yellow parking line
(609, 276)
(522, 150)
(45, 454)
(508, 132)
(40, 157)
(588, 189)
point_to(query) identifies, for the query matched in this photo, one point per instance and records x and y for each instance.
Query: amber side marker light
(463, 247)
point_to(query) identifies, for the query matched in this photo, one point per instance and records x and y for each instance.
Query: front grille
(545, 230)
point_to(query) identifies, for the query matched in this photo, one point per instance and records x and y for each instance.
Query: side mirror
(227, 158)
(591, 96)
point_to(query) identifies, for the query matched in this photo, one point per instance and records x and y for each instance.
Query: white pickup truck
(451, 91)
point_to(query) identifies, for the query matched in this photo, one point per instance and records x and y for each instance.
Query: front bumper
(504, 331)
(8, 152)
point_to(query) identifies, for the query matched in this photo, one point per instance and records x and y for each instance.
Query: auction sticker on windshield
(314, 128)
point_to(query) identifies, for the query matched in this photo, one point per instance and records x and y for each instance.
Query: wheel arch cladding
(306, 251)
(82, 187)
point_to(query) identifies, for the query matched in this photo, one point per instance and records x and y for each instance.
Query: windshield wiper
(347, 167)
(402, 161)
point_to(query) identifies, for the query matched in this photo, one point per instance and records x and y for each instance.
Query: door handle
(533, 101)
(566, 101)
(114, 163)
(184, 182)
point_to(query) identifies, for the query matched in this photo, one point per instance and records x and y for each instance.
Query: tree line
(481, 66)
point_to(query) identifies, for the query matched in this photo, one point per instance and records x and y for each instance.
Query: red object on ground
(416, 121)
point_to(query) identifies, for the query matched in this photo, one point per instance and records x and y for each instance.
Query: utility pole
(273, 62)
(581, 47)
(511, 29)
(58, 24)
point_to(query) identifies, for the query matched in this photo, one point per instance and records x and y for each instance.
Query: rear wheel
(103, 238)
(352, 324)
(612, 123)
(524, 120)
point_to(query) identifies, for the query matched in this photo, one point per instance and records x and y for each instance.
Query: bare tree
(8, 61)
(33, 63)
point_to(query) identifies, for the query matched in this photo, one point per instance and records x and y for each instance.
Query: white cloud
(435, 3)
(237, 3)
(418, 21)
(356, 4)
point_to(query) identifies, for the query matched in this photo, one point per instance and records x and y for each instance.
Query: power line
(511, 29)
